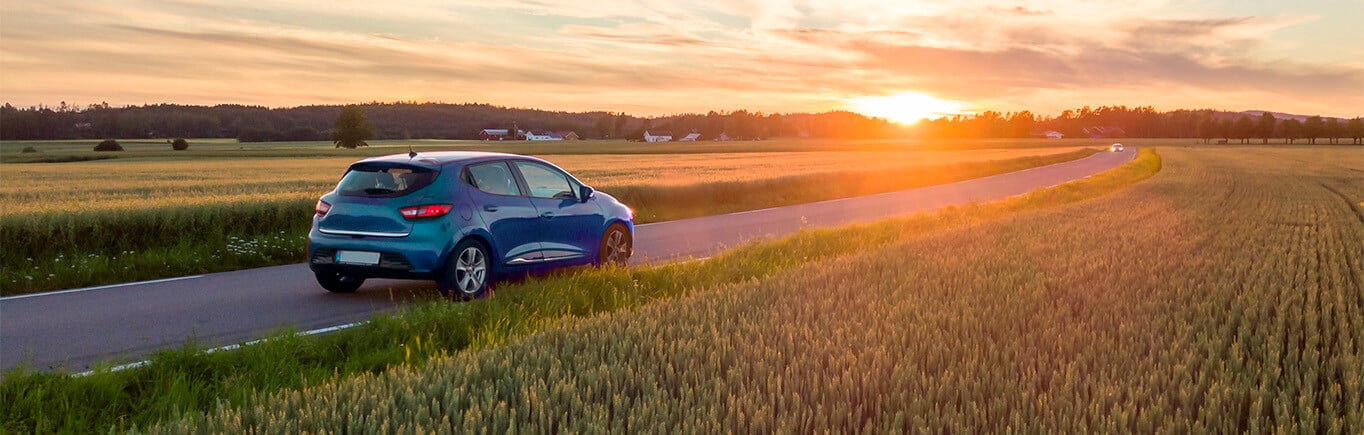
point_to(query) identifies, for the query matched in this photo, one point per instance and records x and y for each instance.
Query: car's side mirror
(584, 193)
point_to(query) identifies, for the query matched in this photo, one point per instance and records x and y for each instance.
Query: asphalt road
(74, 329)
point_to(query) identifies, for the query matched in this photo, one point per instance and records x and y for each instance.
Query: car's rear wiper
(379, 191)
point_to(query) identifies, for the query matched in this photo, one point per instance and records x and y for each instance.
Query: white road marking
(126, 284)
(228, 347)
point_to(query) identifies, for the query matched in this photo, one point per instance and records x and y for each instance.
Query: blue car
(463, 219)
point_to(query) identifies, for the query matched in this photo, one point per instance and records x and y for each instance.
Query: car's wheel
(337, 282)
(616, 246)
(468, 272)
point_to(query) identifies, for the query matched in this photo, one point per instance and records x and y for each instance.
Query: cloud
(658, 56)
(636, 33)
(1019, 10)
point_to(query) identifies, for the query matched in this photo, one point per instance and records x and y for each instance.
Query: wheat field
(127, 184)
(76, 224)
(1226, 294)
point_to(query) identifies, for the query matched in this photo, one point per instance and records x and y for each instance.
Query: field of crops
(123, 184)
(87, 223)
(1224, 295)
(187, 381)
(11, 151)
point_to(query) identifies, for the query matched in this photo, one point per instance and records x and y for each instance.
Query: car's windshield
(384, 181)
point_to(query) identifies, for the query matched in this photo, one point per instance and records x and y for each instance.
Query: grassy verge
(188, 381)
(78, 248)
(1152, 310)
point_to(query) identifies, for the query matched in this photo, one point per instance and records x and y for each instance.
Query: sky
(896, 59)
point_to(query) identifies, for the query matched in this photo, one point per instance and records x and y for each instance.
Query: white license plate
(357, 257)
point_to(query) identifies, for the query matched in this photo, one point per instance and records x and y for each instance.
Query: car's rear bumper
(419, 255)
(391, 265)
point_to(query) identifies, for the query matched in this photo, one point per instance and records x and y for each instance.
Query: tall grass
(90, 248)
(185, 381)
(1222, 296)
(148, 238)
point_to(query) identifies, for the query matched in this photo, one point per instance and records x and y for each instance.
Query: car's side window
(495, 178)
(546, 182)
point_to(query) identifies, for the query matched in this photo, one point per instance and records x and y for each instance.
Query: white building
(542, 135)
(658, 136)
(691, 137)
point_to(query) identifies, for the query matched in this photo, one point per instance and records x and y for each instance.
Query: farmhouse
(542, 136)
(568, 135)
(658, 136)
(690, 137)
(493, 134)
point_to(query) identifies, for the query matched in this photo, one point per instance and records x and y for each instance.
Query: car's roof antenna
(411, 154)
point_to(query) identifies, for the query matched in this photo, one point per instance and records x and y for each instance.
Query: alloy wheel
(471, 269)
(616, 247)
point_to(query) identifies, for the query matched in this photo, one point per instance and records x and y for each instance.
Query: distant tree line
(410, 120)
(405, 121)
(258, 124)
(1122, 121)
(745, 125)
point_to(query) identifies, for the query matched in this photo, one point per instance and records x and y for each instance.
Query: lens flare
(905, 107)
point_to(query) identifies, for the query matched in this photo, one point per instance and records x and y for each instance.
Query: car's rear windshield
(384, 180)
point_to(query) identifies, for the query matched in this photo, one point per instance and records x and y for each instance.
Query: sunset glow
(660, 57)
(905, 107)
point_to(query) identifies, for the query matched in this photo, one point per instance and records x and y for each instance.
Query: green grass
(184, 381)
(50, 250)
(1221, 296)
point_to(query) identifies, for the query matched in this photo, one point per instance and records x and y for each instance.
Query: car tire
(616, 246)
(468, 272)
(337, 282)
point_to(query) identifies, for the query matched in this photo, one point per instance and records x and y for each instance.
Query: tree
(1243, 129)
(108, 145)
(1021, 124)
(618, 122)
(602, 127)
(1291, 130)
(1207, 129)
(1333, 130)
(1265, 128)
(179, 144)
(352, 129)
(1355, 130)
(1312, 129)
(1225, 128)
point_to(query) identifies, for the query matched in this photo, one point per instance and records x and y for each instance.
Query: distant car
(463, 219)
(1117, 148)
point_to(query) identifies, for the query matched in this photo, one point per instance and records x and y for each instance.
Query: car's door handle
(547, 215)
(489, 207)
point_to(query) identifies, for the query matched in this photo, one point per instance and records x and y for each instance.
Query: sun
(905, 107)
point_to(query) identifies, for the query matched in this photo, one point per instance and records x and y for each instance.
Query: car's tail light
(322, 207)
(425, 211)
